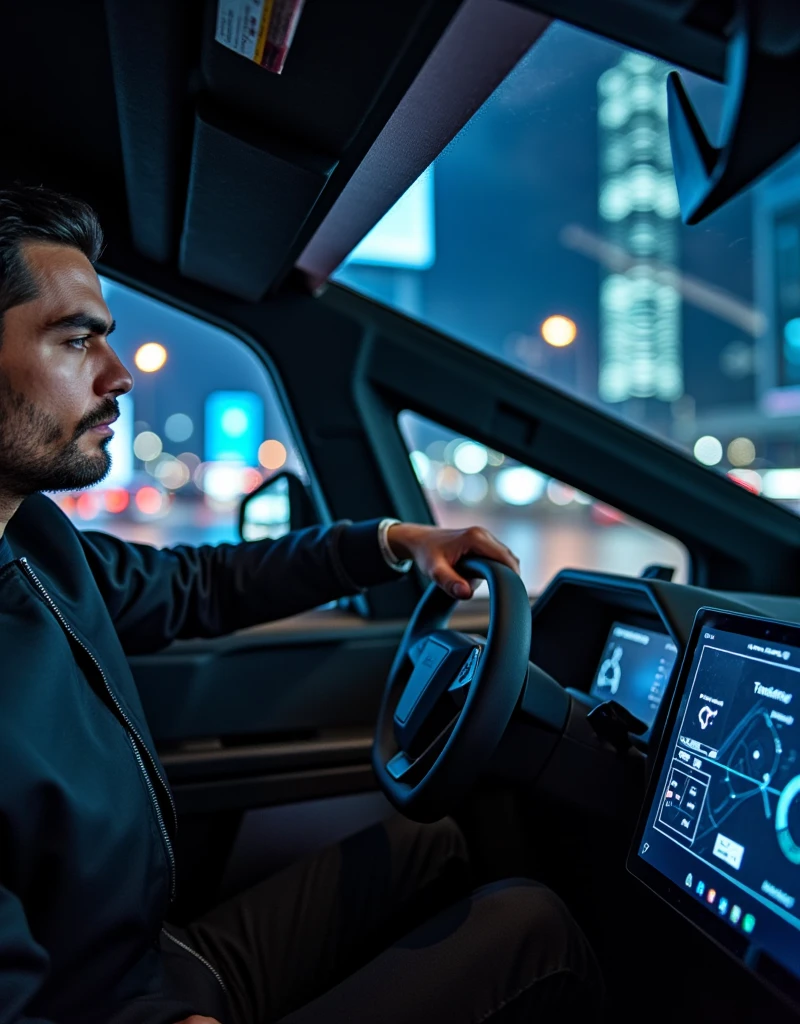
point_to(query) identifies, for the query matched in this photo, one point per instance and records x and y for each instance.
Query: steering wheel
(449, 696)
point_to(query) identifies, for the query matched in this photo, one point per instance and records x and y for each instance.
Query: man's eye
(79, 343)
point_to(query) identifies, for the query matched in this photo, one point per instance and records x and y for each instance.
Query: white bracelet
(389, 556)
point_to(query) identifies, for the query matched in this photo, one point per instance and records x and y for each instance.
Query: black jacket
(87, 822)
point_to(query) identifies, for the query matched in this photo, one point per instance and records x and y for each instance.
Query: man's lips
(105, 426)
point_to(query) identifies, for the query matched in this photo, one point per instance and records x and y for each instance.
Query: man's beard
(34, 456)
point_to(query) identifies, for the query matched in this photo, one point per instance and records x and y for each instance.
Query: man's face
(59, 378)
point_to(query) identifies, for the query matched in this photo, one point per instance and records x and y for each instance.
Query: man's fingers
(449, 580)
(482, 542)
(473, 541)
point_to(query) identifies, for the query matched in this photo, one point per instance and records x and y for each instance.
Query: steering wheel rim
(455, 760)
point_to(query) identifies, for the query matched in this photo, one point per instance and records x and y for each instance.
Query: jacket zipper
(134, 733)
(202, 959)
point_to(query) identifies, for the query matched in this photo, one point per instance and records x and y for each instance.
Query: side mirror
(279, 505)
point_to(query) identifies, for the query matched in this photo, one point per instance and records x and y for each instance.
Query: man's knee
(541, 941)
(435, 843)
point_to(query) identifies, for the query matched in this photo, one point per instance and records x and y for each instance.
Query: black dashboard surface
(572, 635)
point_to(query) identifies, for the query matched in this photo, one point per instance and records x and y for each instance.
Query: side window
(202, 426)
(547, 524)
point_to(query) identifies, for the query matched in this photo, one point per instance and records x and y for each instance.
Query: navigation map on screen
(735, 776)
(724, 825)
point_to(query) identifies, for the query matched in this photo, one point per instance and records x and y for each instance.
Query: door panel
(273, 714)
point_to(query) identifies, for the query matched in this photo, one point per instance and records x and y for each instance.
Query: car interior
(570, 725)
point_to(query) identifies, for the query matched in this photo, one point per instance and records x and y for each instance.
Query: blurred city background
(547, 235)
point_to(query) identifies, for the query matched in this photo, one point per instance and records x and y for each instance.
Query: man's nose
(115, 378)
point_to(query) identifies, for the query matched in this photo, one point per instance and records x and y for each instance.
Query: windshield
(548, 235)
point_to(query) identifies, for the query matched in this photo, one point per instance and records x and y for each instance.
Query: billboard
(234, 427)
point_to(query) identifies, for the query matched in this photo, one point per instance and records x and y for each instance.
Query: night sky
(525, 167)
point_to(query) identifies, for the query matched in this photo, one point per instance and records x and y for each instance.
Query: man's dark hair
(35, 214)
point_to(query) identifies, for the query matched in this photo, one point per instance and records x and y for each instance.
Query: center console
(719, 834)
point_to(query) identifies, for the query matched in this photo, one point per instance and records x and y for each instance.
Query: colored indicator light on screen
(736, 913)
(748, 923)
(701, 888)
(722, 906)
(711, 895)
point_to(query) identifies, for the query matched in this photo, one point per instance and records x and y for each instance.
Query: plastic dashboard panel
(572, 618)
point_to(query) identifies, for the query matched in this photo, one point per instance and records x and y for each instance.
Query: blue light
(120, 447)
(234, 427)
(406, 235)
(791, 332)
(791, 341)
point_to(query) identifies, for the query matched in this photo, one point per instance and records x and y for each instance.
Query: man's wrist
(394, 551)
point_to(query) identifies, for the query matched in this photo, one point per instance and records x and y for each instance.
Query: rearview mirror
(279, 505)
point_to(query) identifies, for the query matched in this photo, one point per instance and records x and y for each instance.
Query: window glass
(548, 235)
(547, 524)
(202, 427)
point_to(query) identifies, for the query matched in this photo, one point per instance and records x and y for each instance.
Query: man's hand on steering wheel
(435, 551)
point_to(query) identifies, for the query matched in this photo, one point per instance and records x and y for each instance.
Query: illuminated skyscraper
(640, 315)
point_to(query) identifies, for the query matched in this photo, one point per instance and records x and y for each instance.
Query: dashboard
(719, 834)
(714, 680)
(607, 638)
(635, 668)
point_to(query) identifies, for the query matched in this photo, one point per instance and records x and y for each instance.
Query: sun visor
(150, 45)
(248, 198)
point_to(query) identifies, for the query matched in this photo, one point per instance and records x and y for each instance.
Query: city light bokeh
(190, 436)
(558, 202)
(548, 236)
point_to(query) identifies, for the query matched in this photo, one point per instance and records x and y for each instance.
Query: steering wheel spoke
(450, 696)
(410, 770)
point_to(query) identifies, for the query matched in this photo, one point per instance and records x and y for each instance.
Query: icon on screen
(729, 851)
(722, 906)
(701, 888)
(711, 895)
(736, 913)
(748, 923)
(689, 879)
(645, 848)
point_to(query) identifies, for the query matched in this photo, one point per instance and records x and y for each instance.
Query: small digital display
(635, 669)
(722, 817)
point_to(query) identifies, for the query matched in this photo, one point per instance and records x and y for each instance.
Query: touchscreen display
(723, 816)
(635, 669)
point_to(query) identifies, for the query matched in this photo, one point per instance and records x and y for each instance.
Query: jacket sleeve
(157, 595)
(23, 963)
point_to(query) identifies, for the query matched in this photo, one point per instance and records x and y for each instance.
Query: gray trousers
(383, 929)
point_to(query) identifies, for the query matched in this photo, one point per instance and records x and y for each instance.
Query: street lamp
(559, 331)
(150, 357)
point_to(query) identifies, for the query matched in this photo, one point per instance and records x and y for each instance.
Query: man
(87, 823)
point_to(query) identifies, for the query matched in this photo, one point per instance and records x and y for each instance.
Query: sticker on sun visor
(260, 30)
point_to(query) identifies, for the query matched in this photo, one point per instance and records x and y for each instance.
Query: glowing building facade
(640, 311)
